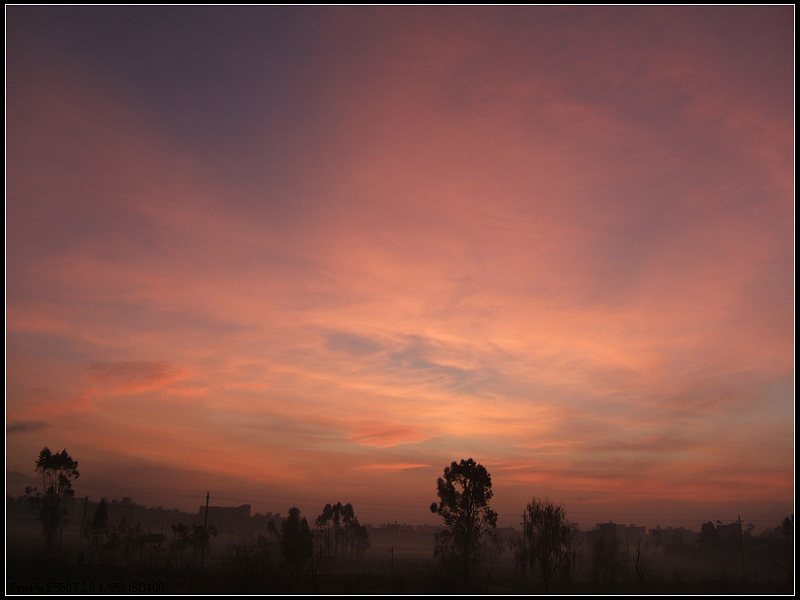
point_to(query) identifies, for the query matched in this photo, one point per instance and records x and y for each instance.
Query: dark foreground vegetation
(228, 573)
(56, 544)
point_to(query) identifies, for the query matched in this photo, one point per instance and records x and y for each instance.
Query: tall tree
(97, 532)
(785, 558)
(464, 493)
(296, 541)
(548, 539)
(329, 528)
(58, 471)
(356, 536)
(180, 541)
(199, 540)
(338, 528)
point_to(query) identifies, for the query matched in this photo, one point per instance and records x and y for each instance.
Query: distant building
(613, 548)
(673, 538)
(729, 532)
(624, 538)
(225, 518)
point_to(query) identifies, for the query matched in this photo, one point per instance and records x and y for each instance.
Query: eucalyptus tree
(58, 471)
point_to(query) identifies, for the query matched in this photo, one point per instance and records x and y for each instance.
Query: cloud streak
(558, 239)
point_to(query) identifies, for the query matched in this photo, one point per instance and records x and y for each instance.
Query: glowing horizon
(302, 255)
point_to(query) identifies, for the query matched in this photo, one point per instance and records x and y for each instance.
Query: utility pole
(83, 520)
(163, 518)
(524, 535)
(207, 539)
(741, 545)
(627, 553)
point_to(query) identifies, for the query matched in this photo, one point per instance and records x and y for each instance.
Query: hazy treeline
(241, 553)
(57, 543)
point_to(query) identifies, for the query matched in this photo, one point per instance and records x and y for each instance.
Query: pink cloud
(580, 266)
(391, 467)
(380, 435)
(133, 377)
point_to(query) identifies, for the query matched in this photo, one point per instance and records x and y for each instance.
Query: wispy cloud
(579, 267)
(25, 426)
(131, 377)
(383, 435)
(391, 467)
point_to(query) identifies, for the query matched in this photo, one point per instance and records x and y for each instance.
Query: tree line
(338, 531)
(464, 496)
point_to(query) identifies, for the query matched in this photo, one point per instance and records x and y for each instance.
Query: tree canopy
(548, 538)
(464, 493)
(340, 530)
(57, 470)
(296, 540)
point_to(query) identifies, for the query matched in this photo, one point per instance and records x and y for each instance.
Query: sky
(299, 255)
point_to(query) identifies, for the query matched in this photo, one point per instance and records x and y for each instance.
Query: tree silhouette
(129, 536)
(464, 493)
(709, 539)
(180, 541)
(199, 540)
(196, 537)
(296, 541)
(784, 559)
(356, 536)
(548, 539)
(339, 529)
(604, 559)
(97, 532)
(58, 470)
(329, 528)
